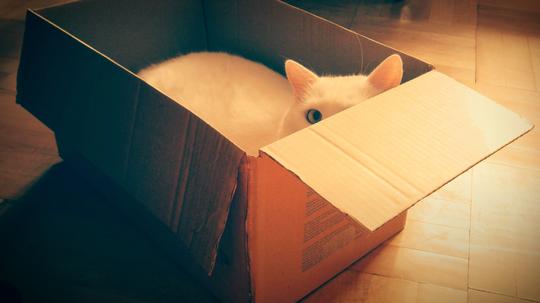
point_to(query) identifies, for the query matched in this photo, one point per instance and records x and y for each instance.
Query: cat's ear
(299, 77)
(388, 74)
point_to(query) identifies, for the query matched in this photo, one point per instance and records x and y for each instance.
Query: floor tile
(19, 129)
(428, 293)
(535, 59)
(8, 65)
(458, 189)
(517, 156)
(476, 296)
(511, 65)
(515, 17)
(528, 275)
(492, 270)
(415, 265)
(10, 38)
(9, 82)
(439, 239)
(506, 238)
(19, 171)
(28, 148)
(505, 218)
(504, 195)
(441, 212)
(352, 286)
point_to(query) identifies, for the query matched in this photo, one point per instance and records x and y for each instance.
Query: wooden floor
(475, 240)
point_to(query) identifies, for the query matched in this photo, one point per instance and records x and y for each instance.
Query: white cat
(251, 104)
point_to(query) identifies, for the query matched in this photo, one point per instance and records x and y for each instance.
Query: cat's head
(317, 97)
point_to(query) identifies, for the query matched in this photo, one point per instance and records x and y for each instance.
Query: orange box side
(296, 239)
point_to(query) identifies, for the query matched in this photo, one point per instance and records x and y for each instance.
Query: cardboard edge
(67, 2)
(429, 65)
(215, 248)
(284, 166)
(20, 67)
(252, 170)
(45, 19)
(125, 171)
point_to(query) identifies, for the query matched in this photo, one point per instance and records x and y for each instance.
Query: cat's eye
(313, 116)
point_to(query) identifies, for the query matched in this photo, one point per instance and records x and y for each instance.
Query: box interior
(135, 34)
(147, 34)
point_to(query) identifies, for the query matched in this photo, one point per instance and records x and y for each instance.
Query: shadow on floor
(63, 242)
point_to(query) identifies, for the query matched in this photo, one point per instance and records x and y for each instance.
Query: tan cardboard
(268, 228)
(383, 155)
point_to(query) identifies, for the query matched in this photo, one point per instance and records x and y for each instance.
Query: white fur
(329, 95)
(249, 103)
(242, 99)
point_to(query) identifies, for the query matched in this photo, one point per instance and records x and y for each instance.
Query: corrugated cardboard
(268, 228)
(396, 148)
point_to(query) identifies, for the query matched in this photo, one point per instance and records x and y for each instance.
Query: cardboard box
(270, 228)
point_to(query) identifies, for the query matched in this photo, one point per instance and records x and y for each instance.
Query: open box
(270, 228)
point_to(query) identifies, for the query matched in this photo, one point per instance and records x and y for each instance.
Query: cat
(253, 105)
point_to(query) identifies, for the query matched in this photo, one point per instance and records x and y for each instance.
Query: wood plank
(351, 286)
(505, 220)
(441, 212)
(458, 189)
(415, 265)
(476, 296)
(511, 64)
(444, 240)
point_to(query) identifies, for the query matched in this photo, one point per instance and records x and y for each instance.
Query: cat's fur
(251, 104)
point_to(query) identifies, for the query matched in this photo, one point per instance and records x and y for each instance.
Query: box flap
(375, 160)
